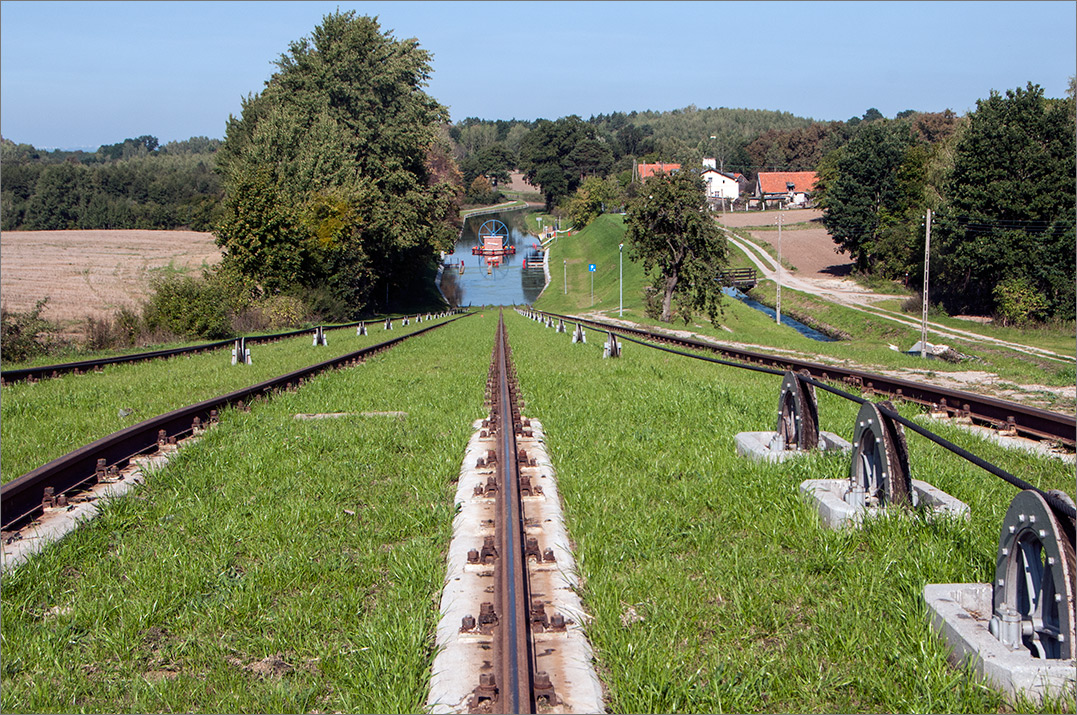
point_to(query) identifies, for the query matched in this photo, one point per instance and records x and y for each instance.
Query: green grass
(747, 604)
(597, 244)
(869, 336)
(322, 544)
(318, 542)
(1060, 337)
(42, 421)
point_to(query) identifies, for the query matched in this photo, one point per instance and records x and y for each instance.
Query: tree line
(1000, 182)
(340, 180)
(134, 184)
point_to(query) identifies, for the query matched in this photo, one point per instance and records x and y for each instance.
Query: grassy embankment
(42, 421)
(277, 565)
(75, 353)
(280, 565)
(712, 586)
(869, 336)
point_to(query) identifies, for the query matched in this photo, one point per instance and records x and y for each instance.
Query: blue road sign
(591, 267)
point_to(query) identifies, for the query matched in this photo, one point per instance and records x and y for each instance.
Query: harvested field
(92, 273)
(742, 219)
(809, 248)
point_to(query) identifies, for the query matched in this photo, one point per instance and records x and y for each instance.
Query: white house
(721, 186)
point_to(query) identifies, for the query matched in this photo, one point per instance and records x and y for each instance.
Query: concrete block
(756, 445)
(960, 613)
(828, 496)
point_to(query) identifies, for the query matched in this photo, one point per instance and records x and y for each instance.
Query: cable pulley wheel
(798, 414)
(1033, 592)
(880, 464)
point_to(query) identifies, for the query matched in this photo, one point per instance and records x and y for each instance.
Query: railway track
(509, 639)
(48, 371)
(513, 626)
(52, 484)
(1033, 600)
(1008, 416)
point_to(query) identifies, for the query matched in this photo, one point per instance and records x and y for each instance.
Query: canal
(467, 280)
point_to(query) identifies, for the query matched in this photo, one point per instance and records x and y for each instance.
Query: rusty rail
(1025, 420)
(513, 648)
(21, 498)
(46, 371)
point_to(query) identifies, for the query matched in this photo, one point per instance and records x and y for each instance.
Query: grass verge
(713, 587)
(42, 421)
(277, 565)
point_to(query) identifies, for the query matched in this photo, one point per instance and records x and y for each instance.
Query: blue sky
(78, 75)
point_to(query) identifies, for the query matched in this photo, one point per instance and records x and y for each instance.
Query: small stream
(796, 325)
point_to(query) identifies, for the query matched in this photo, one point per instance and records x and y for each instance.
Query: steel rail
(1028, 421)
(513, 644)
(514, 650)
(1055, 503)
(47, 371)
(20, 499)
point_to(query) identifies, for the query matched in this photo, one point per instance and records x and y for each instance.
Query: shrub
(194, 308)
(25, 335)
(1018, 302)
(284, 311)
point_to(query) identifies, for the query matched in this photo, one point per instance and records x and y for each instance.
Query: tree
(558, 156)
(1011, 206)
(671, 231)
(492, 163)
(594, 197)
(867, 187)
(344, 119)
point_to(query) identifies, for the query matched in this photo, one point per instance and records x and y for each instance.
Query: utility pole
(778, 311)
(621, 279)
(927, 275)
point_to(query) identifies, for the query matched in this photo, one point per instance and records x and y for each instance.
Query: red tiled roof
(776, 182)
(648, 170)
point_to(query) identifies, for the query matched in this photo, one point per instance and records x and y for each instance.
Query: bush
(25, 335)
(193, 308)
(123, 330)
(284, 311)
(1018, 302)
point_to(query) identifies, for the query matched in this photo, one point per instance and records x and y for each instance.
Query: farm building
(784, 188)
(646, 171)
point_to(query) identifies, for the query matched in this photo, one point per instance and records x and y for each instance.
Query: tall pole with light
(621, 278)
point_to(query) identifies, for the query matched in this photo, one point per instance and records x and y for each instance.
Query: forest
(132, 184)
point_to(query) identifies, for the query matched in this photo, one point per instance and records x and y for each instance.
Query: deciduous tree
(670, 230)
(344, 118)
(1011, 205)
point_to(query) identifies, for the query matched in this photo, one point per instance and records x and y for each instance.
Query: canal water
(466, 279)
(796, 325)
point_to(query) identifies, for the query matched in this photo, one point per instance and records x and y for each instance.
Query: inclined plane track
(50, 485)
(1002, 414)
